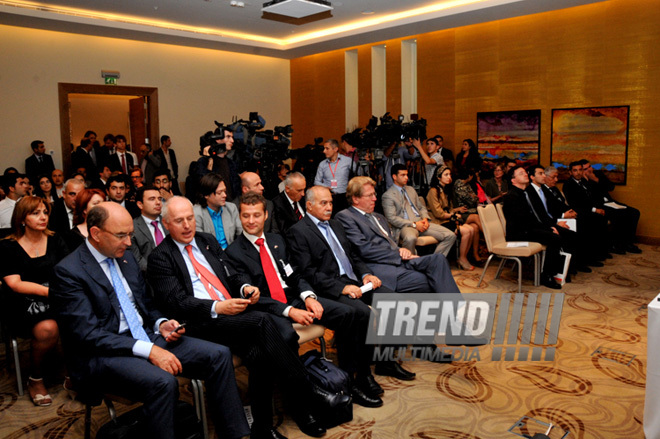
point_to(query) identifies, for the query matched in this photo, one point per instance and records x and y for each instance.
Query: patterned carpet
(594, 388)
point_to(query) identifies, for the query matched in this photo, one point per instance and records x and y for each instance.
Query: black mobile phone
(248, 295)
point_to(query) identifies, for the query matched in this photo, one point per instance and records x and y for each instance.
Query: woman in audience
(443, 212)
(85, 200)
(27, 260)
(478, 188)
(464, 196)
(44, 189)
(497, 187)
(469, 157)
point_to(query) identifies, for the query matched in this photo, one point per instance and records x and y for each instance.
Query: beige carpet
(590, 394)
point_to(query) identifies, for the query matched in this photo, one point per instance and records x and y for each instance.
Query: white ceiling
(217, 24)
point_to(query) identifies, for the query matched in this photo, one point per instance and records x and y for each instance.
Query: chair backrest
(500, 213)
(492, 226)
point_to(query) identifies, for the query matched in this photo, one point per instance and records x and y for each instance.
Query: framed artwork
(512, 134)
(598, 134)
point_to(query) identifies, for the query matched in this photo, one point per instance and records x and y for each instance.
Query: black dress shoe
(267, 433)
(330, 399)
(309, 425)
(369, 385)
(549, 282)
(596, 264)
(394, 370)
(618, 251)
(632, 248)
(360, 397)
(584, 269)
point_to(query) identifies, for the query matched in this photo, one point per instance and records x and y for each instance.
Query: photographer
(431, 156)
(214, 149)
(397, 153)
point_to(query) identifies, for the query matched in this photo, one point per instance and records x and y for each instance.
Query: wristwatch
(414, 225)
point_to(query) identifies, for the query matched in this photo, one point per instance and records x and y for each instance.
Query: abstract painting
(512, 134)
(598, 134)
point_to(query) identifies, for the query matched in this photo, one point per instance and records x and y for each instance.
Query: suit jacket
(230, 221)
(537, 204)
(142, 243)
(59, 219)
(168, 276)
(521, 221)
(160, 155)
(556, 201)
(115, 164)
(393, 208)
(579, 197)
(88, 312)
(313, 258)
(81, 159)
(246, 260)
(283, 214)
(34, 168)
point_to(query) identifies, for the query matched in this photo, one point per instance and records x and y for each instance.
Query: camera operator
(214, 159)
(334, 173)
(431, 156)
(399, 152)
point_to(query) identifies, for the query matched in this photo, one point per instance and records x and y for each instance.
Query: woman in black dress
(28, 257)
(45, 189)
(468, 158)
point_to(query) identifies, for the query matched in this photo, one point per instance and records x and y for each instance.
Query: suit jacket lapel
(215, 262)
(96, 274)
(143, 228)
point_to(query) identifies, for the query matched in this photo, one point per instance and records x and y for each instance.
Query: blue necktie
(544, 201)
(126, 305)
(340, 255)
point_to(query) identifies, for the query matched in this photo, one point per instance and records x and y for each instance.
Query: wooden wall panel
(594, 55)
(393, 77)
(364, 85)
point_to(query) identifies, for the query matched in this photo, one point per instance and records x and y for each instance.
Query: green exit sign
(110, 81)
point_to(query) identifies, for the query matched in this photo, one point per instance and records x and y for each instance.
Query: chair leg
(483, 273)
(322, 343)
(17, 365)
(200, 405)
(88, 421)
(500, 268)
(537, 272)
(519, 274)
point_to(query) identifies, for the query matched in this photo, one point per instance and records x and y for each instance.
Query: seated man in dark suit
(321, 252)
(149, 230)
(370, 235)
(117, 342)
(192, 279)
(117, 188)
(624, 218)
(289, 206)
(523, 224)
(263, 257)
(61, 220)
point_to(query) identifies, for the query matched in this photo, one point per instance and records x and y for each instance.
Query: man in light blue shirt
(334, 173)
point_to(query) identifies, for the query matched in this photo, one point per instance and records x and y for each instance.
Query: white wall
(195, 87)
(100, 113)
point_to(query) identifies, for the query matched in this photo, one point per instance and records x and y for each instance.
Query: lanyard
(336, 164)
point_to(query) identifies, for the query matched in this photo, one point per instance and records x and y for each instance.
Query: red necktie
(123, 163)
(297, 211)
(207, 278)
(274, 284)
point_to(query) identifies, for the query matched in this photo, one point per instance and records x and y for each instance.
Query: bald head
(251, 182)
(110, 229)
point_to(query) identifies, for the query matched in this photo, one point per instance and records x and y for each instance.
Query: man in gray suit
(408, 216)
(213, 214)
(370, 236)
(148, 230)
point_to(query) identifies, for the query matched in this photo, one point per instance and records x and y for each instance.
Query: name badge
(288, 270)
(333, 184)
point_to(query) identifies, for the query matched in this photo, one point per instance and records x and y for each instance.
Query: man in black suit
(193, 279)
(322, 253)
(523, 224)
(61, 219)
(116, 189)
(121, 160)
(81, 159)
(39, 163)
(167, 159)
(289, 206)
(149, 230)
(263, 257)
(251, 182)
(372, 239)
(116, 341)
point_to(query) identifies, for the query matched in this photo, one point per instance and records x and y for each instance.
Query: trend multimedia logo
(519, 326)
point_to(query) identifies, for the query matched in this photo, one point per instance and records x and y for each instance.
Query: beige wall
(195, 86)
(101, 114)
(595, 55)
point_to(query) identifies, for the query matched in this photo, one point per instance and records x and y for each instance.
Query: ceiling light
(296, 8)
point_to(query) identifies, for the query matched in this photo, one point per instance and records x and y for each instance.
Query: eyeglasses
(120, 236)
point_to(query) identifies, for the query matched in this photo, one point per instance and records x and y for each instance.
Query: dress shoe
(267, 433)
(618, 251)
(394, 370)
(596, 264)
(369, 385)
(632, 248)
(309, 425)
(360, 397)
(583, 269)
(549, 282)
(330, 399)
